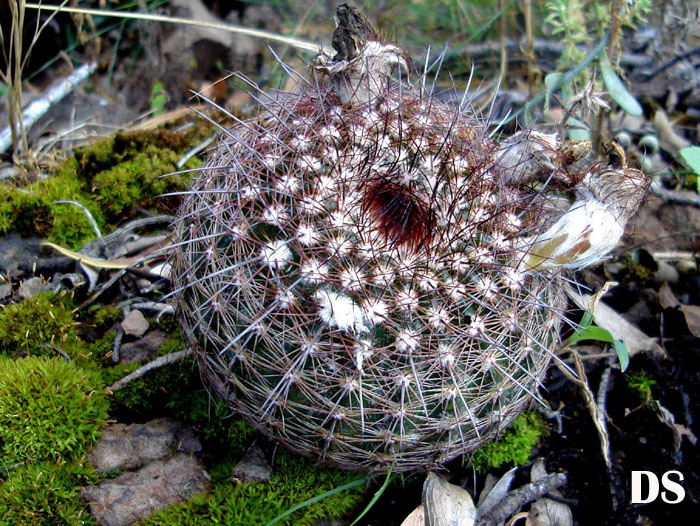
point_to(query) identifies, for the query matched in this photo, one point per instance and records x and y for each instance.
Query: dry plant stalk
(16, 59)
(369, 276)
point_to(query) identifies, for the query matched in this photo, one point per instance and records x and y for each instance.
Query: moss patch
(49, 409)
(295, 480)
(46, 493)
(111, 178)
(177, 390)
(514, 447)
(28, 327)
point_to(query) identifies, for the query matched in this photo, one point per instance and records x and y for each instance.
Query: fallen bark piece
(131, 446)
(133, 496)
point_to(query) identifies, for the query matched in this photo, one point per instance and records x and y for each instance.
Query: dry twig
(155, 364)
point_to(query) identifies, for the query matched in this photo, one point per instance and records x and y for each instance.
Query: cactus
(369, 276)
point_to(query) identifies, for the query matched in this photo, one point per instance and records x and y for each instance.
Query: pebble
(253, 467)
(160, 465)
(666, 273)
(32, 286)
(5, 290)
(134, 495)
(135, 324)
(144, 349)
(131, 446)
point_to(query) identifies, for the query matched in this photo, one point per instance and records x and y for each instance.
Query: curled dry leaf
(679, 431)
(544, 511)
(415, 518)
(668, 300)
(446, 504)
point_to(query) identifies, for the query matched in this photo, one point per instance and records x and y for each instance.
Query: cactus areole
(369, 276)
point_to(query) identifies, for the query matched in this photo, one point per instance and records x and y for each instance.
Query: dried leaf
(90, 261)
(547, 512)
(692, 318)
(667, 299)
(446, 504)
(671, 142)
(415, 518)
(679, 431)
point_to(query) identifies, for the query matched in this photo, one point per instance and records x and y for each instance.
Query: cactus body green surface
(349, 279)
(371, 278)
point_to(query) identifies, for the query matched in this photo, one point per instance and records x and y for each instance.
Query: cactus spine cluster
(366, 274)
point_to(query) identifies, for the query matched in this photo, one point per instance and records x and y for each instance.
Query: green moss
(642, 383)
(515, 445)
(46, 494)
(635, 270)
(49, 409)
(111, 178)
(103, 317)
(27, 327)
(178, 390)
(33, 211)
(137, 182)
(294, 481)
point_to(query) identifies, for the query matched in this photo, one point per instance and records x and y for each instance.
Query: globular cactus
(372, 279)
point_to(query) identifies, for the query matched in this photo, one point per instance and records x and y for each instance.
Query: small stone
(5, 290)
(666, 273)
(135, 324)
(15, 251)
(131, 446)
(144, 349)
(687, 266)
(253, 467)
(33, 286)
(133, 496)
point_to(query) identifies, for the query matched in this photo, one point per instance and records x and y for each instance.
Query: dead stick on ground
(517, 498)
(155, 364)
(589, 398)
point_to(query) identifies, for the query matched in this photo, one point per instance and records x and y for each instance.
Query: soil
(664, 234)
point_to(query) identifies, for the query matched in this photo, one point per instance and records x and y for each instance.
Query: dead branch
(517, 498)
(155, 364)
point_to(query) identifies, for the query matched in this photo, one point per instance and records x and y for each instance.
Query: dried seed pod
(361, 269)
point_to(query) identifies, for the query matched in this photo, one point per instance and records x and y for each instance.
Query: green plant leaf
(588, 331)
(617, 89)
(691, 155)
(376, 496)
(310, 501)
(623, 356)
(158, 98)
